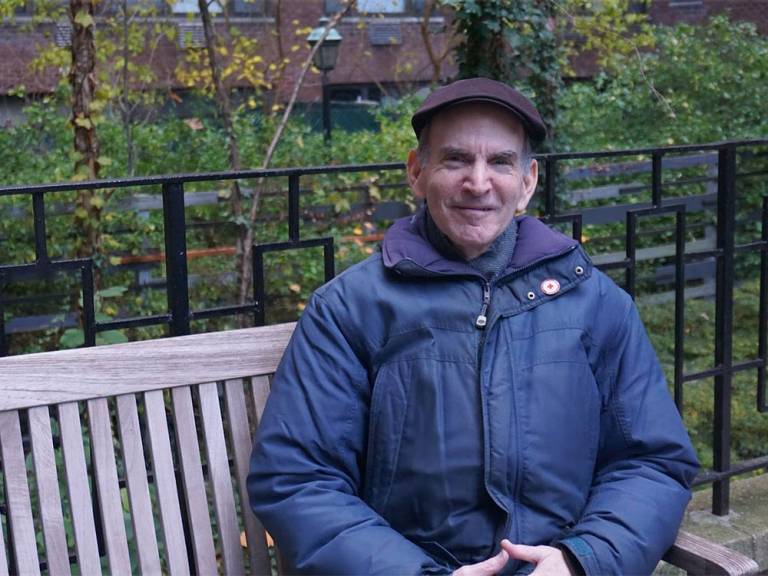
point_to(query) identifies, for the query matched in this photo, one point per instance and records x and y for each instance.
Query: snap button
(579, 270)
(531, 296)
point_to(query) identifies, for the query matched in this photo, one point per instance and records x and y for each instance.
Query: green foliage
(514, 42)
(609, 30)
(702, 84)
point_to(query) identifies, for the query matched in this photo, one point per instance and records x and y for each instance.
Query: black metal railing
(555, 209)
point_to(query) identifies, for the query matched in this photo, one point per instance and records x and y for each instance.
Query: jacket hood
(405, 245)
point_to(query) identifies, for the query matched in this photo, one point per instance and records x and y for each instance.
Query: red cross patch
(550, 286)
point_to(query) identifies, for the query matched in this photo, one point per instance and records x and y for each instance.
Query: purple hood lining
(406, 240)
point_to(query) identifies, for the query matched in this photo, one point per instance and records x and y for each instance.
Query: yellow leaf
(357, 231)
(295, 288)
(115, 260)
(83, 123)
(104, 160)
(84, 19)
(194, 123)
(97, 202)
(80, 213)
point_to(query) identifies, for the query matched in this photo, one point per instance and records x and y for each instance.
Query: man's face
(473, 178)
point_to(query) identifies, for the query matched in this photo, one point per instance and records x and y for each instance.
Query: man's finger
(494, 563)
(534, 554)
(488, 567)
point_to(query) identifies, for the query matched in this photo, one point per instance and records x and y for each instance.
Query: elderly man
(476, 398)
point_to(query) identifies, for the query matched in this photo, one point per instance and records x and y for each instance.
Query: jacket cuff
(579, 556)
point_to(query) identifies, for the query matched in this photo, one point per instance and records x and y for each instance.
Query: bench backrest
(133, 457)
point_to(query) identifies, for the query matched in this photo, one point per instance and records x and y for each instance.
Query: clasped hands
(549, 561)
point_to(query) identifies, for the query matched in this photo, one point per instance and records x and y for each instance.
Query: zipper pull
(482, 319)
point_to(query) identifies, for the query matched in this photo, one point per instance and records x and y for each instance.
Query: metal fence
(718, 171)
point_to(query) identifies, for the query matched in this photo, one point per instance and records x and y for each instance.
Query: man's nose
(478, 179)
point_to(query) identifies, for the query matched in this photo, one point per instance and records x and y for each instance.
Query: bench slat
(194, 484)
(138, 487)
(68, 375)
(165, 480)
(241, 441)
(260, 391)
(46, 477)
(20, 520)
(221, 479)
(81, 506)
(105, 472)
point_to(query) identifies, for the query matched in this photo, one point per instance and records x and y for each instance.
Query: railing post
(177, 287)
(726, 234)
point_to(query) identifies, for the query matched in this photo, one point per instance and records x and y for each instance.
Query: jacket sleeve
(645, 462)
(305, 476)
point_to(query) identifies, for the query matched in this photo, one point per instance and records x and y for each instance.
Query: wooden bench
(132, 458)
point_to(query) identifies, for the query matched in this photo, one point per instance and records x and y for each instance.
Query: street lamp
(325, 61)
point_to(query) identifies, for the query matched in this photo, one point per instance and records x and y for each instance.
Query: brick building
(383, 50)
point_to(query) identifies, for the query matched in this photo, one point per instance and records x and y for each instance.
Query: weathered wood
(47, 479)
(142, 517)
(260, 390)
(220, 478)
(698, 556)
(105, 471)
(165, 481)
(78, 489)
(19, 511)
(241, 443)
(85, 373)
(194, 484)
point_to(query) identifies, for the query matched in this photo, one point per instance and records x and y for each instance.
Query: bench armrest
(697, 555)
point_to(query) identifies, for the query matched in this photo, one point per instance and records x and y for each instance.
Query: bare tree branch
(246, 270)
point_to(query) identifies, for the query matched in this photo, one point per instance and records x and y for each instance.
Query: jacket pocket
(389, 405)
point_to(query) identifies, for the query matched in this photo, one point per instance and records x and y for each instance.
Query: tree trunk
(83, 83)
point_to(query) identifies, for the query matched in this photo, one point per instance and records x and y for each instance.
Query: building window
(192, 7)
(379, 6)
(247, 7)
(686, 4)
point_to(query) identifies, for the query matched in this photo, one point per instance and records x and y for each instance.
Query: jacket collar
(407, 250)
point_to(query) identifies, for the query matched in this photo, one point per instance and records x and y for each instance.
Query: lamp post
(325, 61)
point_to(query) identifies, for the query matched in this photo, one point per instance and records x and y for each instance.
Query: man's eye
(502, 161)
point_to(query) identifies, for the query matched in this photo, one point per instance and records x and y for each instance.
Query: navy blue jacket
(420, 415)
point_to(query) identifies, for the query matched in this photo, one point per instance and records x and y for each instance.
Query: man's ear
(414, 170)
(530, 179)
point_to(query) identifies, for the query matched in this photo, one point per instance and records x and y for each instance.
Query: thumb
(533, 554)
(488, 567)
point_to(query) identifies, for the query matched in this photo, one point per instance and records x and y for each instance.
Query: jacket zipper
(481, 323)
(482, 319)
